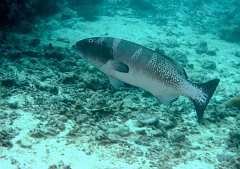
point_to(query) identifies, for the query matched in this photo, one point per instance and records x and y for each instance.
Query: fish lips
(77, 51)
(84, 49)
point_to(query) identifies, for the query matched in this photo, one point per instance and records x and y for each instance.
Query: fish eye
(90, 40)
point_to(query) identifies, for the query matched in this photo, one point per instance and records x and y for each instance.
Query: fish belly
(140, 80)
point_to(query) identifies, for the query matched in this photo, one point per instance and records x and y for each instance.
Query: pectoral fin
(118, 84)
(119, 66)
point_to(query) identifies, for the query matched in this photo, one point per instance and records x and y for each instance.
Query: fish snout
(75, 50)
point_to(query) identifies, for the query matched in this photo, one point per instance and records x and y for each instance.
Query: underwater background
(59, 112)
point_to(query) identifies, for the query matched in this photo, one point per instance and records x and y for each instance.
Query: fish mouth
(75, 50)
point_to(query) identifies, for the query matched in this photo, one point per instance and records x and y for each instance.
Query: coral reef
(17, 15)
(85, 2)
(142, 5)
(54, 52)
(230, 34)
(234, 102)
(89, 13)
(60, 165)
(54, 104)
(179, 56)
(210, 65)
(202, 47)
(46, 7)
(13, 15)
(147, 119)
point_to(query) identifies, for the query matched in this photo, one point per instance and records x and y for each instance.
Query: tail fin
(208, 89)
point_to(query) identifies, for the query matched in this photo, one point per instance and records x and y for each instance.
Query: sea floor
(58, 111)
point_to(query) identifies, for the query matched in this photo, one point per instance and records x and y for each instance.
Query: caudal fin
(208, 89)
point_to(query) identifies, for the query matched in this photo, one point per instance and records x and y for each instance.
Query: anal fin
(127, 87)
(166, 100)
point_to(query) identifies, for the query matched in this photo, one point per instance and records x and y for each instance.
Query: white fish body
(129, 64)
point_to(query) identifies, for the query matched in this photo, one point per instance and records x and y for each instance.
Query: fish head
(94, 50)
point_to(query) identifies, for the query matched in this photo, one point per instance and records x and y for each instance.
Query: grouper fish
(129, 64)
